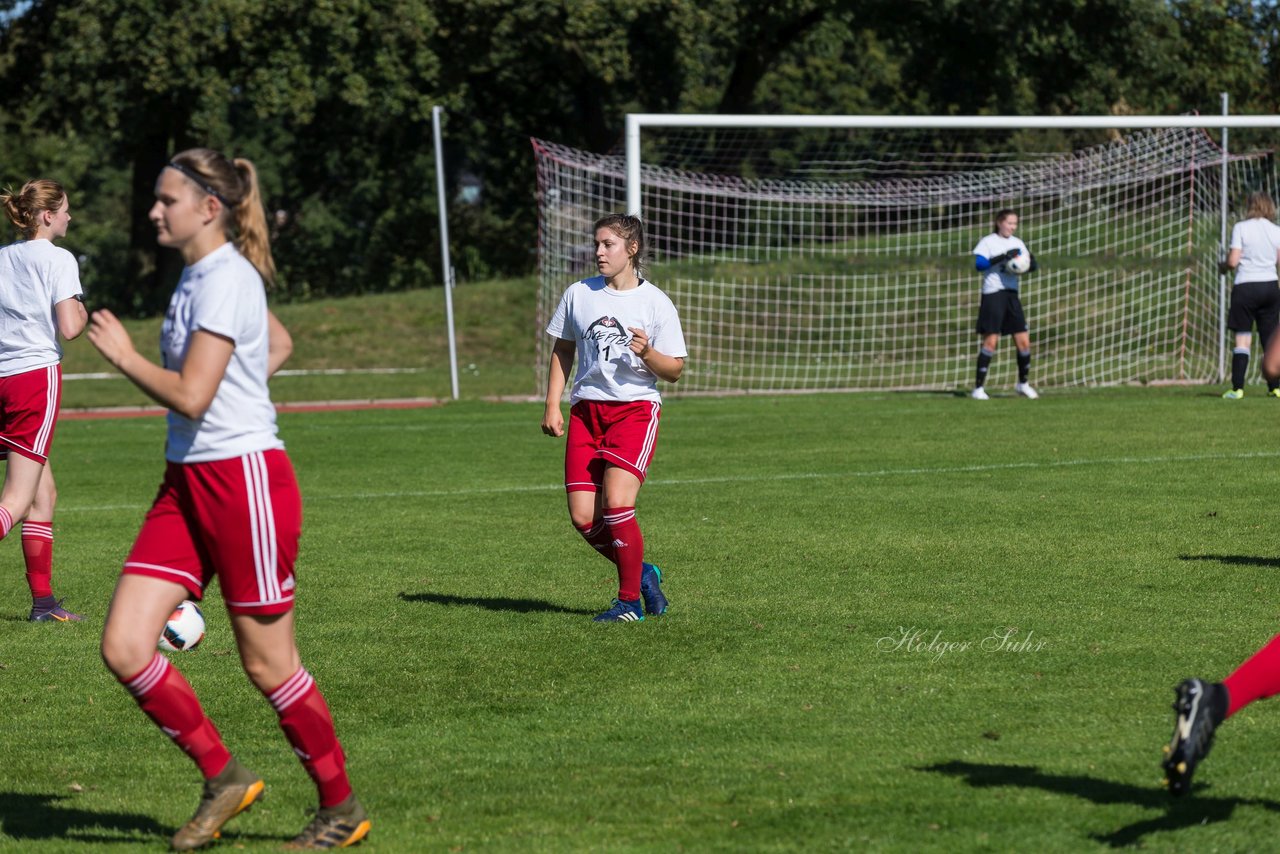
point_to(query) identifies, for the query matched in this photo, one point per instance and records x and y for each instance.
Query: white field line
(326, 372)
(67, 507)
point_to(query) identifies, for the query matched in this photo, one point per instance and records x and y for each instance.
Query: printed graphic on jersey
(610, 337)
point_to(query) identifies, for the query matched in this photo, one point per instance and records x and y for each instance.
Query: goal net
(837, 259)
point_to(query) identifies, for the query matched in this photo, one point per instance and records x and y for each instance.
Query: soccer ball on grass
(184, 629)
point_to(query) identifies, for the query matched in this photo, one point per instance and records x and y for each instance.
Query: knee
(259, 673)
(581, 519)
(125, 656)
(269, 672)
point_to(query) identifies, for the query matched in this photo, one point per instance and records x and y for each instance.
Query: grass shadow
(1177, 813)
(495, 603)
(25, 816)
(1238, 560)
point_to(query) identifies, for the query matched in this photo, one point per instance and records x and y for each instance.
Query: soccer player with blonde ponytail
(41, 299)
(229, 505)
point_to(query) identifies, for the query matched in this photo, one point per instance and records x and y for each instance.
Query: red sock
(597, 535)
(1256, 679)
(305, 719)
(37, 551)
(628, 548)
(167, 698)
(6, 523)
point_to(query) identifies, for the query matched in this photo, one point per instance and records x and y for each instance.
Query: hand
(639, 341)
(1015, 252)
(553, 422)
(1224, 268)
(108, 335)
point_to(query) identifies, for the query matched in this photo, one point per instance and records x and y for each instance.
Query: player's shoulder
(43, 250)
(657, 294)
(590, 284)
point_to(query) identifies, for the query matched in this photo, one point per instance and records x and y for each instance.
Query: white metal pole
(633, 164)
(1222, 248)
(446, 266)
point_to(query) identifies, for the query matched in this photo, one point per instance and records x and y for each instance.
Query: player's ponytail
(25, 206)
(630, 229)
(253, 238)
(235, 185)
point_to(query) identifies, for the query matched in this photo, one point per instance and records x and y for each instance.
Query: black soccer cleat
(1200, 707)
(655, 603)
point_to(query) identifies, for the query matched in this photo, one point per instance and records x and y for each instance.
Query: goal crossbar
(636, 122)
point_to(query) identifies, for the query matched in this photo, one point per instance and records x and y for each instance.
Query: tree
(323, 96)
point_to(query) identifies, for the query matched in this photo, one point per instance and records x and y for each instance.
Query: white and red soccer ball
(184, 628)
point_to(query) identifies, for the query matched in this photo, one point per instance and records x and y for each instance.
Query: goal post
(850, 268)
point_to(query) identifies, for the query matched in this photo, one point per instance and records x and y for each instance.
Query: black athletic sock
(1239, 365)
(1024, 366)
(984, 362)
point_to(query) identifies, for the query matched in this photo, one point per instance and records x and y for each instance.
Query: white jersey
(1258, 240)
(222, 293)
(597, 318)
(35, 276)
(997, 278)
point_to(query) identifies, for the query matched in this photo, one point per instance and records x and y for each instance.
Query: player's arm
(557, 379)
(71, 316)
(187, 392)
(665, 367)
(279, 344)
(1233, 261)
(983, 263)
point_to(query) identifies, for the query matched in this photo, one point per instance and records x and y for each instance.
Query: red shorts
(609, 434)
(29, 410)
(238, 519)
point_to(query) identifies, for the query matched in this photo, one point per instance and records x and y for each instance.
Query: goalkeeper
(1001, 310)
(1255, 296)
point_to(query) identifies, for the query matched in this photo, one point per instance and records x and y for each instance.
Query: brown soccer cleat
(338, 826)
(225, 796)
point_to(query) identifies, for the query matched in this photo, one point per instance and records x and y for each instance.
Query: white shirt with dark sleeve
(995, 279)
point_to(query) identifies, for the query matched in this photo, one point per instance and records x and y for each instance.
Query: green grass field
(900, 622)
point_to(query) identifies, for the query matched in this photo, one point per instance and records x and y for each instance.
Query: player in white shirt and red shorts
(626, 335)
(229, 505)
(41, 297)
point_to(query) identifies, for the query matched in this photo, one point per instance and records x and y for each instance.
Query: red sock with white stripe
(628, 549)
(167, 698)
(37, 551)
(598, 537)
(305, 719)
(6, 522)
(1256, 679)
